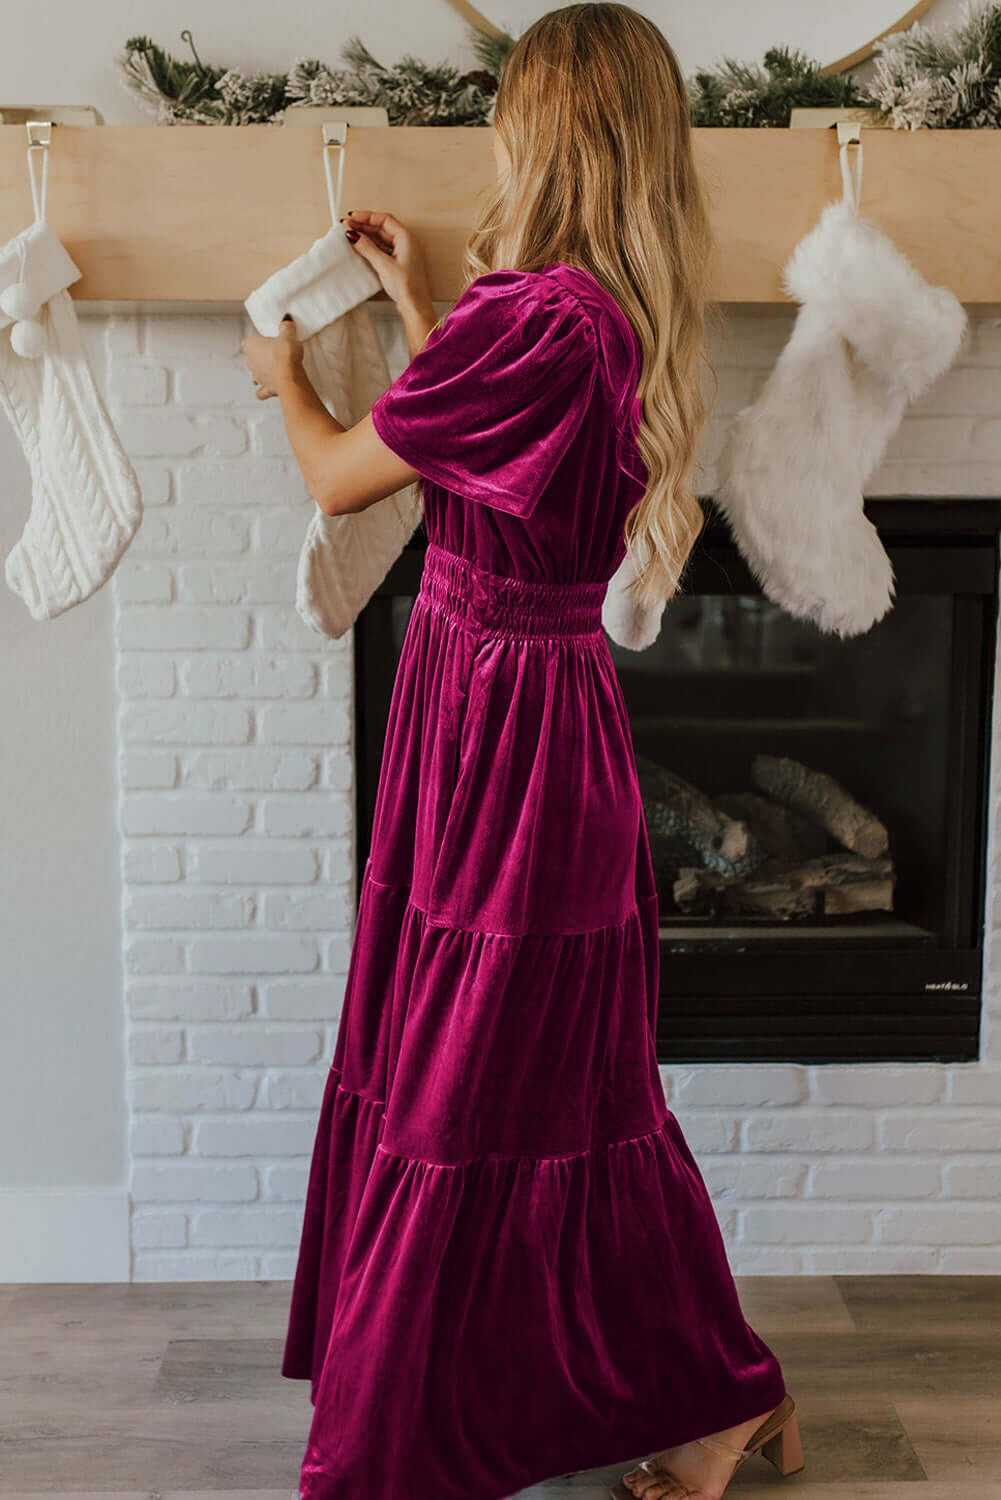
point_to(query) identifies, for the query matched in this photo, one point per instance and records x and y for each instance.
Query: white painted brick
(189, 1000)
(285, 1183)
(268, 436)
(316, 999)
(194, 1182)
(189, 1090)
(121, 335)
(151, 864)
(173, 533)
(746, 1085)
(962, 389)
(973, 1083)
(709, 1130)
(184, 815)
(878, 1084)
(308, 911)
(254, 953)
(183, 722)
(258, 862)
(190, 336)
(253, 770)
(339, 864)
(137, 382)
(155, 483)
(154, 1044)
(159, 1231)
(809, 1130)
(145, 582)
(281, 528)
(277, 1265)
(264, 483)
(273, 1134)
(148, 628)
(283, 630)
(153, 955)
(189, 1265)
(338, 950)
(959, 477)
(248, 676)
(940, 1131)
(255, 1045)
(338, 768)
(806, 1224)
(157, 434)
(298, 1088)
(973, 1179)
(304, 816)
(986, 440)
(156, 1135)
(319, 723)
(940, 1224)
(228, 1228)
(254, 580)
(921, 437)
(147, 770)
(188, 910)
(872, 1260)
(872, 1178)
(143, 676)
(744, 1177)
(777, 1260)
(978, 1261)
(216, 384)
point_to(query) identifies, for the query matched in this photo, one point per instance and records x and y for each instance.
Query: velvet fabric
(510, 1267)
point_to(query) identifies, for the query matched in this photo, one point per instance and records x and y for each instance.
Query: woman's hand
(395, 256)
(269, 360)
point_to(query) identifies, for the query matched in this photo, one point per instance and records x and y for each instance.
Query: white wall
(211, 859)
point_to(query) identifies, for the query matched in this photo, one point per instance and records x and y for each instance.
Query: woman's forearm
(312, 431)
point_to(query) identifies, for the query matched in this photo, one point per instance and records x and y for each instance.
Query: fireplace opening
(816, 806)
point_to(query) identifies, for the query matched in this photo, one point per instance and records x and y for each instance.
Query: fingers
(382, 228)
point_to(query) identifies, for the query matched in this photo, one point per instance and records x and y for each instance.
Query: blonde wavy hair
(593, 111)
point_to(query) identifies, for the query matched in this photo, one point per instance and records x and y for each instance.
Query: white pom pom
(19, 302)
(28, 339)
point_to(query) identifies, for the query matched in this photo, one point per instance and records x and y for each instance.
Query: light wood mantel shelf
(207, 212)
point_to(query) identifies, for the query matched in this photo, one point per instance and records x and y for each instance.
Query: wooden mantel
(206, 212)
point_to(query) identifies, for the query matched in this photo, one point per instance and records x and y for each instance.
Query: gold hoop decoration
(475, 18)
(852, 59)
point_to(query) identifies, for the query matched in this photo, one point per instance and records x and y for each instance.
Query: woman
(510, 1266)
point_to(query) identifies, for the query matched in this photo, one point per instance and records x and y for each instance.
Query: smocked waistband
(518, 606)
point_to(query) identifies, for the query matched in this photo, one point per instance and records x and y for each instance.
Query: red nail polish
(352, 234)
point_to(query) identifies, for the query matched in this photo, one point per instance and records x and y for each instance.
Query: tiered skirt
(510, 1267)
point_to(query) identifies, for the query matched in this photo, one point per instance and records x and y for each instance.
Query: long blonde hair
(593, 111)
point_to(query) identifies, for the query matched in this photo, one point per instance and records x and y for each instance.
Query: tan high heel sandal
(777, 1439)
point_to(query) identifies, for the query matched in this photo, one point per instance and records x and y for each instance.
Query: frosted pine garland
(926, 79)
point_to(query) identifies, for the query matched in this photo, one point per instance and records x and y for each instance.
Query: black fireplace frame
(803, 998)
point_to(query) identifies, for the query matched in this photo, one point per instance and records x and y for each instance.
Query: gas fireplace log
(831, 885)
(825, 799)
(674, 809)
(782, 831)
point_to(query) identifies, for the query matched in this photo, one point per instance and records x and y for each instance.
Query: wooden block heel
(785, 1450)
(777, 1439)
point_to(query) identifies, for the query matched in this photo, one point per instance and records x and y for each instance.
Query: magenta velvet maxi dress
(510, 1267)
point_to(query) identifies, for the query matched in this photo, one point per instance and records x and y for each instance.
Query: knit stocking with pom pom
(86, 503)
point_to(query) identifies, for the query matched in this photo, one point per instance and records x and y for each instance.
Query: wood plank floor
(173, 1391)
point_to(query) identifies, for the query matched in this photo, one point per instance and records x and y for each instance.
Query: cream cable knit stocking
(86, 502)
(344, 558)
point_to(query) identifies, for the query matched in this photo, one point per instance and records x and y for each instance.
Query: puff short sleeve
(491, 403)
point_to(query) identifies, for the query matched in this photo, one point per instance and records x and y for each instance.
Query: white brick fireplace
(238, 859)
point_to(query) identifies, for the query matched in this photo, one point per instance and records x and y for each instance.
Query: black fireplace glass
(816, 804)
